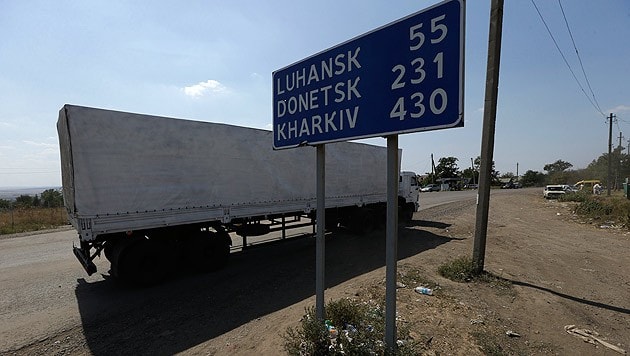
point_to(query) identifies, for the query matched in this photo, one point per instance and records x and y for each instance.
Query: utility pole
(609, 178)
(620, 148)
(487, 135)
(432, 169)
(517, 171)
(472, 167)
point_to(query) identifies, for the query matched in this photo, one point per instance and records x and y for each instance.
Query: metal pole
(391, 249)
(320, 241)
(487, 137)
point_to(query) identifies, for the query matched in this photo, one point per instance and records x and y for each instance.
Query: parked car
(554, 191)
(511, 185)
(587, 185)
(430, 188)
(571, 188)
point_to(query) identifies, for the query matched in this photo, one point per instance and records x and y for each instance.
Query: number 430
(437, 104)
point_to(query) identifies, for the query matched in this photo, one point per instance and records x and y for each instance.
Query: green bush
(461, 269)
(594, 208)
(614, 208)
(579, 196)
(356, 328)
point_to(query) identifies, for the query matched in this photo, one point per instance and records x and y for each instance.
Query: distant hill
(10, 193)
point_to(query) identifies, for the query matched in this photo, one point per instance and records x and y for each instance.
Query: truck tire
(108, 248)
(407, 212)
(139, 261)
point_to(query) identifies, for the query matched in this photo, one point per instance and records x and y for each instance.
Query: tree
(556, 171)
(471, 174)
(428, 179)
(447, 168)
(24, 201)
(52, 198)
(36, 201)
(533, 179)
(557, 166)
(494, 174)
(5, 204)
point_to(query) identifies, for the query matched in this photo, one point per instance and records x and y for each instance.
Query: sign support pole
(320, 259)
(391, 249)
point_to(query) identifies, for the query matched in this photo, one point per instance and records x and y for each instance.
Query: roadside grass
(352, 327)
(462, 269)
(31, 219)
(615, 208)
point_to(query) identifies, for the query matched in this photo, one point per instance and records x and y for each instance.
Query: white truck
(150, 191)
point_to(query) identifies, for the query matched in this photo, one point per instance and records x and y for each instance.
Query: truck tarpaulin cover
(116, 162)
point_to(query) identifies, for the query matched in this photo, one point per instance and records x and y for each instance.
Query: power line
(588, 83)
(565, 60)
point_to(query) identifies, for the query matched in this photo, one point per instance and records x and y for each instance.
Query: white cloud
(202, 88)
(40, 144)
(620, 108)
(7, 124)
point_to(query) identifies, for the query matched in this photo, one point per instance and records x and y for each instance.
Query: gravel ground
(562, 272)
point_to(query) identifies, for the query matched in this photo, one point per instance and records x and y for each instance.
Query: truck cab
(409, 190)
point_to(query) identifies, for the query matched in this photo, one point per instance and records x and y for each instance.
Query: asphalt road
(431, 199)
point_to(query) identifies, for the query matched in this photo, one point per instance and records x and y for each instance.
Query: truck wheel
(208, 251)
(109, 247)
(140, 261)
(407, 212)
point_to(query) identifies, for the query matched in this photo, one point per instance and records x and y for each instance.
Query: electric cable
(565, 60)
(577, 53)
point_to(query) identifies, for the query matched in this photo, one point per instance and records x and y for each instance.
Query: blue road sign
(404, 77)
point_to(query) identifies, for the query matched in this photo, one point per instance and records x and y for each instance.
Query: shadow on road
(570, 297)
(191, 309)
(431, 224)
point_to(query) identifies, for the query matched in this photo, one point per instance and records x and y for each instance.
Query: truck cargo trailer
(149, 191)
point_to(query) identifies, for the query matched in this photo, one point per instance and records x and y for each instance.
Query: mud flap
(84, 258)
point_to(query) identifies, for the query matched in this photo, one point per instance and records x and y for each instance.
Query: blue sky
(212, 61)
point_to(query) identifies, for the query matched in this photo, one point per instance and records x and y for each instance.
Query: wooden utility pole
(432, 169)
(609, 178)
(618, 169)
(487, 136)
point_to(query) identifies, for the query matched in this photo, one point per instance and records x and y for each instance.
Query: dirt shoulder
(562, 273)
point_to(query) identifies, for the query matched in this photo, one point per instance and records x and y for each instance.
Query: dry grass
(614, 208)
(31, 219)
